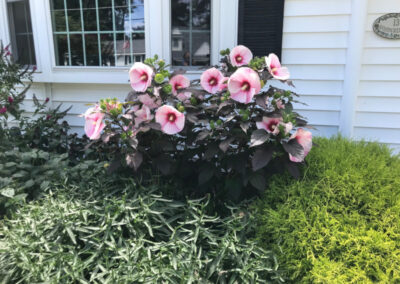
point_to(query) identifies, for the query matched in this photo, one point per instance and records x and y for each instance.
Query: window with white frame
(98, 32)
(21, 36)
(191, 32)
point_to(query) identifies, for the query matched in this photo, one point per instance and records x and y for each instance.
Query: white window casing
(224, 21)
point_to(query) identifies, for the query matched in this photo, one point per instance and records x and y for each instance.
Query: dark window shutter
(260, 26)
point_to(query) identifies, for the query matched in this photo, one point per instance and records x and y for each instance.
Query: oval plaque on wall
(388, 26)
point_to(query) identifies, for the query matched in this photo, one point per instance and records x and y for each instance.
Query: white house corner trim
(354, 55)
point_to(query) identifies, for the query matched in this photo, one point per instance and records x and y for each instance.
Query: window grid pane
(191, 32)
(116, 25)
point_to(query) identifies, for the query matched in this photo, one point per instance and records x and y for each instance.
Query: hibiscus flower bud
(10, 100)
(159, 78)
(219, 122)
(212, 124)
(47, 100)
(3, 109)
(193, 101)
(181, 108)
(167, 89)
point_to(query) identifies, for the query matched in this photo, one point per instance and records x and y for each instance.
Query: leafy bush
(223, 133)
(22, 174)
(87, 234)
(341, 222)
(44, 130)
(12, 76)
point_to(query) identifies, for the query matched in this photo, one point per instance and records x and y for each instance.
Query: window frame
(224, 14)
(157, 14)
(5, 35)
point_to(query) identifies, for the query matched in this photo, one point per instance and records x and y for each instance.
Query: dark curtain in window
(260, 26)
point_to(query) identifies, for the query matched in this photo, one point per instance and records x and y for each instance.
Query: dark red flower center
(178, 86)
(171, 117)
(144, 77)
(245, 86)
(213, 81)
(239, 58)
(271, 126)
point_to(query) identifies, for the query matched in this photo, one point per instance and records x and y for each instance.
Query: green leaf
(8, 192)
(71, 235)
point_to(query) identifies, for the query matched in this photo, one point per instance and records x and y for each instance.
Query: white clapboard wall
(377, 114)
(315, 49)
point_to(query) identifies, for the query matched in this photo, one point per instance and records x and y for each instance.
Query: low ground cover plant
(341, 222)
(106, 230)
(224, 134)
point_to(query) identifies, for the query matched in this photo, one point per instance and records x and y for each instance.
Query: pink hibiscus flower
(171, 120)
(224, 83)
(280, 104)
(275, 68)
(140, 76)
(148, 101)
(304, 138)
(244, 84)
(240, 55)
(142, 115)
(180, 82)
(270, 124)
(211, 79)
(94, 123)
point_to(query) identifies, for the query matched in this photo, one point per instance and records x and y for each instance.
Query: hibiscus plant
(225, 133)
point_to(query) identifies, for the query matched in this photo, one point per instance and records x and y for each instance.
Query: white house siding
(316, 39)
(377, 114)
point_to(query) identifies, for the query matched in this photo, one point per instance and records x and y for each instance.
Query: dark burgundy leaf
(206, 174)
(105, 137)
(178, 72)
(192, 117)
(293, 169)
(300, 122)
(87, 146)
(224, 104)
(233, 186)
(202, 135)
(258, 181)
(258, 137)
(133, 142)
(293, 148)
(154, 125)
(245, 126)
(132, 96)
(261, 158)
(134, 160)
(115, 165)
(164, 164)
(212, 150)
(128, 116)
(224, 145)
(261, 100)
(290, 83)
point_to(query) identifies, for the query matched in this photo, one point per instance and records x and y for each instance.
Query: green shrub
(117, 232)
(341, 222)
